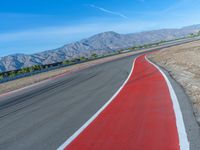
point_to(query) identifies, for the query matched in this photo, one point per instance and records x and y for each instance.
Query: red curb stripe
(141, 117)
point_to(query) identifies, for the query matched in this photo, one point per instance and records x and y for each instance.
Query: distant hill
(100, 44)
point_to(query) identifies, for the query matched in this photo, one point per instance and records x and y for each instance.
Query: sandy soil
(183, 63)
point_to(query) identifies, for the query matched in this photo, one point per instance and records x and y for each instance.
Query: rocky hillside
(100, 44)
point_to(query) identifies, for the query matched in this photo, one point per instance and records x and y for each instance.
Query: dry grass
(183, 63)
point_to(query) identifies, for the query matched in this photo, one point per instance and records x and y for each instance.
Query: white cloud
(108, 11)
(70, 31)
(47, 32)
(35, 40)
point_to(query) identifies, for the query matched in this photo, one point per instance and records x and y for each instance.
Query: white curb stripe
(69, 140)
(183, 140)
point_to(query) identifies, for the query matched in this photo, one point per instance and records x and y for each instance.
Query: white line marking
(69, 140)
(183, 140)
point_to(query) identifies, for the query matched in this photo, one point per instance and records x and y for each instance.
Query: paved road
(44, 116)
(140, 117)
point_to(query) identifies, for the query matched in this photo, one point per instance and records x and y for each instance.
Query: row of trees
(22, 71)
(32, 69)
(194, 34)
(75, 61)
(146, 46)
(162, 41)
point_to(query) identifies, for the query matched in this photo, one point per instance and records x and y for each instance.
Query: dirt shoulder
(23, 82)
(183, 63)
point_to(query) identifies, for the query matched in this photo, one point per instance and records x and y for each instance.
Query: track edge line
(87, 123)
(183, 139)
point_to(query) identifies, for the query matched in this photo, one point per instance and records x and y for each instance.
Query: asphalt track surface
(44, 116)
(140, 117)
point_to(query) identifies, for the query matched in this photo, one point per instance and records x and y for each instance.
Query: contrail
(108, 11)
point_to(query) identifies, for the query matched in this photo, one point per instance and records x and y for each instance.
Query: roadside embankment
(183, 63)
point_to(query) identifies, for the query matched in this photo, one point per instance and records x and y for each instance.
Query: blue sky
(30, 26)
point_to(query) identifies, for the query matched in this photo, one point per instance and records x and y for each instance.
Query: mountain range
(102, 43)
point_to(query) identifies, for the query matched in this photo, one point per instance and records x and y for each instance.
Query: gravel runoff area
(183, 64)
(23, 82)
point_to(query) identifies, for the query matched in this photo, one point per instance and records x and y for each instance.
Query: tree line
(32, 69)
(14, 73)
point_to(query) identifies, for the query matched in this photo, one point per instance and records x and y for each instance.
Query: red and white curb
(143, 114)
